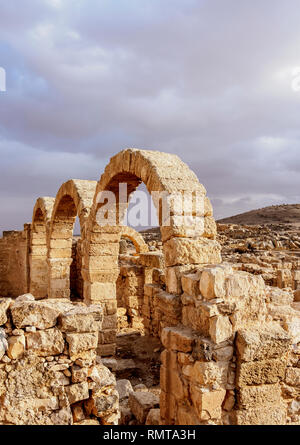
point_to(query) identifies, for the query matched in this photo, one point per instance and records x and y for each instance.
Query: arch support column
(59, 277)
(100, 273)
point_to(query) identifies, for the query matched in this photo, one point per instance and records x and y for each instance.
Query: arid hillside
(277, 214)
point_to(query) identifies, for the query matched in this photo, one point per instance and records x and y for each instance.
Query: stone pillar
(59, 277)
(100, 274)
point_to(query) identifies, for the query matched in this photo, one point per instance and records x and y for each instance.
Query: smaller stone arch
(74, 198)
(42, 213)
(136, 238)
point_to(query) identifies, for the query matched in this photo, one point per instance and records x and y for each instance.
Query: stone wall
(14, 262)
(234, 357)
(49, 372)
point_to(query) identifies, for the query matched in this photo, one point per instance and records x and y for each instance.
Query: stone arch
(136, 238)
(38, 270)
(183, 244)
(74, 198)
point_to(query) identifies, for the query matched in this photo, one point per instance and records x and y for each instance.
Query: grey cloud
(207, 80)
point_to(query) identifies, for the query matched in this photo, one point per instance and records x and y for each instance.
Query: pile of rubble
(49, 370)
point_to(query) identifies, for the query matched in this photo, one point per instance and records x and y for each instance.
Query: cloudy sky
(209, 80)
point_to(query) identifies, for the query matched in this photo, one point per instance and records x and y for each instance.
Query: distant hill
(277, 214)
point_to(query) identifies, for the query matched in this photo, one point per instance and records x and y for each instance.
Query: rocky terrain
(276, 214)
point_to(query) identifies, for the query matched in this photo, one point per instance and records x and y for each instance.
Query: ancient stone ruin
(230, 340)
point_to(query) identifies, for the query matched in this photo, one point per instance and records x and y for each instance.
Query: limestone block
(262, 415)
(100, 291)
(79, 374)
(80, 342)
(152, 260)
(210, 373)
(173, 278)
(81, 319)
(25, 297)
(210, 227)
(260, 372)
(293, 377)
(263, 342)
(110, 322)
(103, 262)
(190, 284)
(186, 226)
(103, 403)
(108, 336)
(104, 249)
(208, 404)
(292, 326)
(220, 328)
(140, 404)
(40, 314)
(44, 343)
(177, 338)
(212, 283)
(86, 359)
(77, 392)
(240, 285)
(4, 305)
(251, 396)
(16, 347)
(101, 375)
(179, 251)
(3, 343)
(124, 388)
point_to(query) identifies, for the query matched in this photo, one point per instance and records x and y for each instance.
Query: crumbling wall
(14, 268)
(233, 359)
(49, 372)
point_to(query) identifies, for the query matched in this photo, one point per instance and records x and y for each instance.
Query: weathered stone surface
(188, 251)
(208, 404)
(25, 297)
(251, 396)
(77, 392)
(293, 377)
(178, 338)
(44, 343)
(261, 372)
(3, 343)
(16, 347)
(40, 314)
(79, 342)
(269, 341)
(262, 415)
(82, 319)
(212, 283)
(220, 328)
(124, 388)
(4, 305)
(140, 404)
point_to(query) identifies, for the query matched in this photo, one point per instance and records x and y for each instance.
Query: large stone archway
(183, 243)
(74, 198)
(41, 218)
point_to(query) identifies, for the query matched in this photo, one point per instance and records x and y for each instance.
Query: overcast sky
(209, 80)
